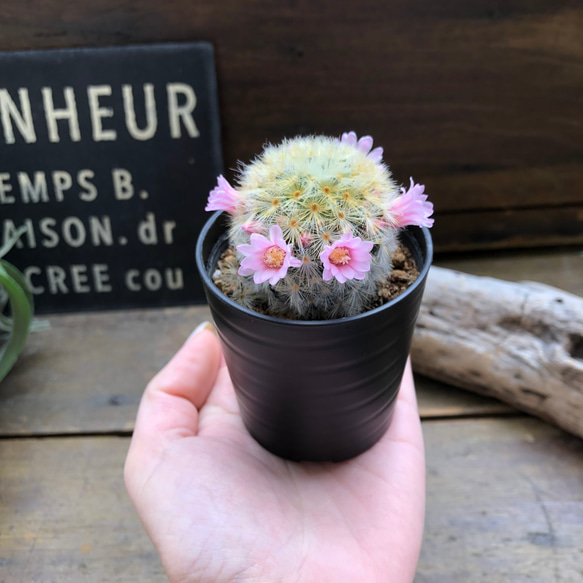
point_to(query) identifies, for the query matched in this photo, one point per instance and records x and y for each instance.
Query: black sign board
(107, 157)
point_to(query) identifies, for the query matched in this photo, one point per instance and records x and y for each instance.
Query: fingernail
(202, 326)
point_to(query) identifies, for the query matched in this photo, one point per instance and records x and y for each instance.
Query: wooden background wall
(481, 100)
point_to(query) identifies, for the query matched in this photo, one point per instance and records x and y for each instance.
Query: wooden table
(504, 491)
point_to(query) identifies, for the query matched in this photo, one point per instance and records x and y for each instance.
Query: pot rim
(210, 285)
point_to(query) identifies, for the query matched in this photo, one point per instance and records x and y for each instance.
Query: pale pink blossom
(364, 145)
(378, 224)
(252, 227)
(347, 258)
(411, 208)
(223, 197)
(306, 239)
(267, 259)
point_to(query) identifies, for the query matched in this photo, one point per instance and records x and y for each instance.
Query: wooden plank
(479, 188)
(504, 503)
(439, 400)
(480, 101)
(65, 516)
(87, 373)
(508, 229)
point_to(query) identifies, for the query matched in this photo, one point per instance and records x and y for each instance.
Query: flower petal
(245, 270)
(262, 275)
(376, 155)
(365, 144)
(338, 275)
(223, 197)
(347, 271)
(254, 261)
(360, 256)
(252, 227)
(295, 262)
(349, 138)
(276, 236)
(411, 208)
(246, 249)
(360, 266)
(277, 275)
(260, 242)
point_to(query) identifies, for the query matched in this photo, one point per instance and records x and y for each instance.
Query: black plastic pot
(315, 390)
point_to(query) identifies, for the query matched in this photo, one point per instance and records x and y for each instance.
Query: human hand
(220, 508)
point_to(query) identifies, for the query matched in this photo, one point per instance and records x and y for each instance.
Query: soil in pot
(403, 274)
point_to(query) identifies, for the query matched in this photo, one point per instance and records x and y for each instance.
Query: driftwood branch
(519, 342)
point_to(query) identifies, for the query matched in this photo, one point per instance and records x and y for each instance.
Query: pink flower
(411, 208)
(267, 259)
(364, 145)
(378, 224)
(347, 258)
(223, 197)
(252, 227)
(306, 239)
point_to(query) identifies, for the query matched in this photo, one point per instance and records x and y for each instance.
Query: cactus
(314, 222)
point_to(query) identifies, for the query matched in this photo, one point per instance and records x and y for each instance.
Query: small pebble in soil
(404, 273)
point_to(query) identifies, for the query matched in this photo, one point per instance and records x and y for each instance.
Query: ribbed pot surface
(319, 390)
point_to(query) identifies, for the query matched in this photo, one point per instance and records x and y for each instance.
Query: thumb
(169, 407)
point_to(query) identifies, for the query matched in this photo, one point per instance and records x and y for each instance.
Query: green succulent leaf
(14, 291)
(19, 278)
(11, 241)
(22, 309)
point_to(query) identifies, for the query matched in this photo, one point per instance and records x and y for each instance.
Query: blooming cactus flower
(347, 258)
(411, 208)
(223, 197)
(364, 145)
(267, 259)
(252, 227)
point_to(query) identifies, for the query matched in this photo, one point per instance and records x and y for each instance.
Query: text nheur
(16, 113)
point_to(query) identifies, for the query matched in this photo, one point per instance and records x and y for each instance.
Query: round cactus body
(314, 222)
